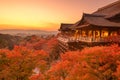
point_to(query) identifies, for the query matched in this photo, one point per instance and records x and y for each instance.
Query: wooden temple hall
(93, 29)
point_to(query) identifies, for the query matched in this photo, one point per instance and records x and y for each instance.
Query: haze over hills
(19, 32)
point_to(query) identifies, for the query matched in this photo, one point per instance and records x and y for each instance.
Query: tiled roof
(109, 10)
(65, 26)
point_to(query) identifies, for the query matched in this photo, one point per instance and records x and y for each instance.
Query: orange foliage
(97, 63)
(37, 43)
(19, 63)
(114, 39)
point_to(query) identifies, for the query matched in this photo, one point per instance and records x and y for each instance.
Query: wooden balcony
(80, 39)
(72, 43)
(90, 39)
(66, 39)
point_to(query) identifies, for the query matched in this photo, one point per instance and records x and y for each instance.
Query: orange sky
(44, 14)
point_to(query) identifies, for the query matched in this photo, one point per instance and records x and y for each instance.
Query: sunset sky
(44, 14)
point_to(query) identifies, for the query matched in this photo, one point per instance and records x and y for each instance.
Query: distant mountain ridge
(27, 32)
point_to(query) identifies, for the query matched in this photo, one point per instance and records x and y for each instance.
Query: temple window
(76, 34)
(83, 33)
(90, 33)
(104, 33)
(96, 33)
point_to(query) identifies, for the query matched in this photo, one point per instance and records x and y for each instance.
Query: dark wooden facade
(93, 29)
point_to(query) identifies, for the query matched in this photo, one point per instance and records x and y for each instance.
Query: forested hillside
(36, 58)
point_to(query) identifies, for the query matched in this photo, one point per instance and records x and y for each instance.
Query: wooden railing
(83, 39)
(90, 39)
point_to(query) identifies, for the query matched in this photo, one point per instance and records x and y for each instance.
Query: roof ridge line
(109, 5)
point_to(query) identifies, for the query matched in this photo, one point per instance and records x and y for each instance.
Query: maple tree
(31, 62)
(113, 39)
(33, 42)
(19, 63)
(97, 63)
(53, 49)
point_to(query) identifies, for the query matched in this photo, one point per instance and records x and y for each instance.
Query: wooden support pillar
(95, 33)
(92, 35)
(86, 32)
(81, 33)
(100, 33)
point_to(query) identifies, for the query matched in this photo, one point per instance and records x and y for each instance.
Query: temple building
(93, 29)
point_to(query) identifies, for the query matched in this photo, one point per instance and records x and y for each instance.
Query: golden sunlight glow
(104, 33)
(25, 17)
(41, 14)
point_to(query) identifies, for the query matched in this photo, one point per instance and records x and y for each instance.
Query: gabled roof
(65, 26)
(76, 24)
(100, 21)
(109, 10)
(97, 20)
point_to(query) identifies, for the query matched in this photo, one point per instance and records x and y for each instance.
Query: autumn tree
(52, 48)
(19, 63)
(97, 63)
(113, 39)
